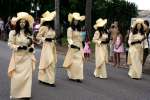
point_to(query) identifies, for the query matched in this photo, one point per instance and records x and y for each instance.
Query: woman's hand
(31, 49)
(22, 48)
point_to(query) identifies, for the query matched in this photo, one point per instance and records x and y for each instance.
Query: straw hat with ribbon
(138, 21)
(75, 16)
(100, 23)
(25, 16)
(48, 16)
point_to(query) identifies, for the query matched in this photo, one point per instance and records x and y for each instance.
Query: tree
(88, 21)
(57, 20)
(115, 10)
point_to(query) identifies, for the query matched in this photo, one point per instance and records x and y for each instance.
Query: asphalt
(117, 87)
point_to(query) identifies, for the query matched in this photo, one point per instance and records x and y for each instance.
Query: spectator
(145, 42)
(83, 35)
(1, 27)
(7, 28)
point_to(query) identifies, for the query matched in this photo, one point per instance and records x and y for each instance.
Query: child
(118, 48)
(87, 49)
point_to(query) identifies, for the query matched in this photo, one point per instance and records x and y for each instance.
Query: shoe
(79, 81)
(28, 98)
(47, 84)
(136, 78)
(72, 80)
(52, 85)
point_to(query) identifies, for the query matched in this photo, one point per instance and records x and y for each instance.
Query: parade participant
(74, 58)
(22, 62)
(135, 57)
(48, 54)
(101, 48)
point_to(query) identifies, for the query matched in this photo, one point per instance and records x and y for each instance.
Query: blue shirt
(83, 35)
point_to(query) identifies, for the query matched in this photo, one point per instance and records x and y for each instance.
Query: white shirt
(145, 43)
(149, 40)
(1, 25)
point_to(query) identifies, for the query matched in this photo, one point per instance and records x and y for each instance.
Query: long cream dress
(101, 55)
(74, 58)
(48, 56)
(21, 66)
(135, 57)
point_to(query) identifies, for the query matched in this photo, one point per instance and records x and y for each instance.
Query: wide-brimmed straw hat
(48, 16)
(138, 21)
(75, 16)
(100, 23)
(25, 16)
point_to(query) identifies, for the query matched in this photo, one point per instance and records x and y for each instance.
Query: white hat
(48, 16)
(75, 16)
(100, 23)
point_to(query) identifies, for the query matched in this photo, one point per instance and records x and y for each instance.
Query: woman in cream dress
(101, 48)
(48, 54)
(74, 58)
(22, 62)
(135, 57)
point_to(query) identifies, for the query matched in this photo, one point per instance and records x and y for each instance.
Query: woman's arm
(12, 40)
(40, 35)
(96, 38)
(69, 36)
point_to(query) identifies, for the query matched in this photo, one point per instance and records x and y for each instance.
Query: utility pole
(57, 20)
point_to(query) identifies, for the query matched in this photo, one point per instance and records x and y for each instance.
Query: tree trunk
(88, 21)
(57, 20)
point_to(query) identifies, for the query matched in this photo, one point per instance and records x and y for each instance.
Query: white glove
(70, 41)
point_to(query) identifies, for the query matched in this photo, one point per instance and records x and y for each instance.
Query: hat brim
(138, 21)
(100, 24)
(134, 25)
(75, 16)
(45, 20)
(48, 16)
(26, 17)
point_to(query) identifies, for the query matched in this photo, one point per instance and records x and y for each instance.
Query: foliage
(113, 10)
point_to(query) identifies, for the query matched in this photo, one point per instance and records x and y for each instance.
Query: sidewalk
(146, 69)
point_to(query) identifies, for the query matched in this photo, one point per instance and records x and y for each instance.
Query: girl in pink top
(118, 49)
(87, 49)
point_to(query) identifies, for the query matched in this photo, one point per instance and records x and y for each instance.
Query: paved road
(118, 87)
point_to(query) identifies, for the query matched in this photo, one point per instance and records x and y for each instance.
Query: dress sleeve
(40, 35)
(12, 41)
(130, 38)
(96, 38)
(69, 36)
